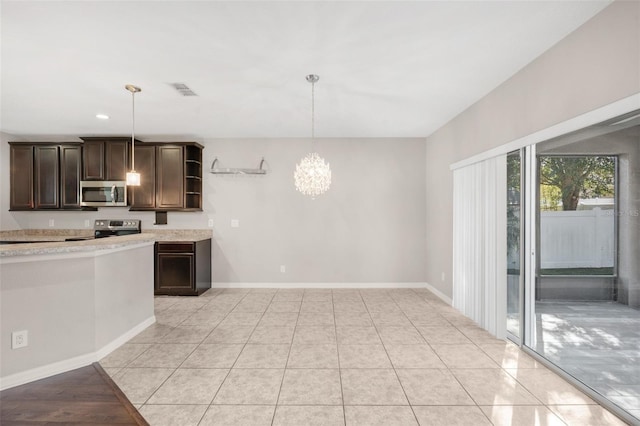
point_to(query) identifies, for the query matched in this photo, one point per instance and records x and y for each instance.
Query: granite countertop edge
(53, 241)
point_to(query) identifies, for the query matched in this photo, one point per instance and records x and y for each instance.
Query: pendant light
(312, 176)
(133, 178)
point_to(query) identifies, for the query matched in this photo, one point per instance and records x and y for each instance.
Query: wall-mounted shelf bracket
(236, 171)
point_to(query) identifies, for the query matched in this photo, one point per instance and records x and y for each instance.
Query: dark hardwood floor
(83, 396)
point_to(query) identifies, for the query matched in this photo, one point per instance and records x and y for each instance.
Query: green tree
(550, 197)
(578, 177)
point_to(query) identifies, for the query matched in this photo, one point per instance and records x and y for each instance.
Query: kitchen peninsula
(78, 300)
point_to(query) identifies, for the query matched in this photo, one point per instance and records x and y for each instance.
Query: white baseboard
(124, 338)
(438, 293)
(46, 371)
(52, 369)
(319, 285)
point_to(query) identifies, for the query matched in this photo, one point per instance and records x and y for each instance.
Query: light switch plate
(235, 223)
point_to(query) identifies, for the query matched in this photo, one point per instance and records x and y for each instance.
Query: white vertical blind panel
(480, 243)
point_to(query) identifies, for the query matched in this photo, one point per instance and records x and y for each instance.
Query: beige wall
(596, 65)
(7, 221)
(368, 228)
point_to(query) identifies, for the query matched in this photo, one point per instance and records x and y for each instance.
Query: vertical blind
(480, 243)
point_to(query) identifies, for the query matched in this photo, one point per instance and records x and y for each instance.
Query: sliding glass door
(573, 257)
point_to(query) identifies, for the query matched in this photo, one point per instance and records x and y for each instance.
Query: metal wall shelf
(237, 171)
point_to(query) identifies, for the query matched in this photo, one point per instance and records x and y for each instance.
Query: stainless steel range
(111, 228)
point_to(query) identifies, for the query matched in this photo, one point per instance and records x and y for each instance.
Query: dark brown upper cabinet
(144, 196)
(70, 174)
(45, 176)
(171, 175)
(21, 177)
(105, 158)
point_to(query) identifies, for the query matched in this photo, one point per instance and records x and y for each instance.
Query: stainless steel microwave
(105, 193)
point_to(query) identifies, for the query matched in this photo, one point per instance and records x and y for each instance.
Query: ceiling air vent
(183, 89)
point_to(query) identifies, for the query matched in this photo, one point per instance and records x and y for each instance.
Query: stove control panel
(117, 224)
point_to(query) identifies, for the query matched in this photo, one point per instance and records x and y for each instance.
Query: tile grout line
(335, 328)
(284, 373)
(228, 372)
(454, 376)
(190, 353)
(391, 361)
(159, 343)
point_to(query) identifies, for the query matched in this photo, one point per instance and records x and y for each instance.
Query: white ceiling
(387, 69)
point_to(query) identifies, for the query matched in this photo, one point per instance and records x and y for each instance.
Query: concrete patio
(596, 342)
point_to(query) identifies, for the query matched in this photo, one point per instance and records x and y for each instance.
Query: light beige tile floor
(335, 357)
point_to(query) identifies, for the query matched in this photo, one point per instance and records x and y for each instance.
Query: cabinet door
(70, 172)
(116, 160)
(170, 177)
(144, 196)
(93, 160)
(174, 273)
(47, 177)
(21, 177)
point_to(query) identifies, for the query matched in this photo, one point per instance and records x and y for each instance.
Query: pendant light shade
(313, 175)
(133, 177)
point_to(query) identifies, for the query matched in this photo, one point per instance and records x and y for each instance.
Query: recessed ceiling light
(102, 116)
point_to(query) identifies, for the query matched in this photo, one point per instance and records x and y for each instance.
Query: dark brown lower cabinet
(182, 268)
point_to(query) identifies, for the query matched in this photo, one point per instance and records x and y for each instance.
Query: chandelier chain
(313, 111)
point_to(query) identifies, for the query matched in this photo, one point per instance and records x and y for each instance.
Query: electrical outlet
(87, 223)
(210, 223)
(19, 339)
(51, 223)
(283, 268)
(442, 276)
(235, 223)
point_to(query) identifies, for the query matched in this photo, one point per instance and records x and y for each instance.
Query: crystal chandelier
(312, 175)
(133, 177)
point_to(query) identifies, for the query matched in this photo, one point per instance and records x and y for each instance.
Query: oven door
(103, 193)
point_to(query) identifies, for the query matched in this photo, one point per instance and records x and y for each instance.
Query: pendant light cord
(133, 128)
